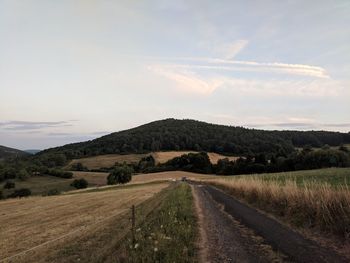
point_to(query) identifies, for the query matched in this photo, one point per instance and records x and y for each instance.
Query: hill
(6, 152)
(32, 151)
(191, 135)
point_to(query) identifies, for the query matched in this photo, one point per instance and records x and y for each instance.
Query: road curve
(283, 239)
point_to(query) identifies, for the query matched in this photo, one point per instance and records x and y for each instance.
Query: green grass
(40, 185)
(168, 234)
(336, 177)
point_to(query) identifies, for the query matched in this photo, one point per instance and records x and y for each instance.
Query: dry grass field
(318, 199)
(100, 179)
(96, 162)
(29, 222)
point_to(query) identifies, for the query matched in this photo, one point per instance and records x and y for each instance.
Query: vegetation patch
(167, 235)
(317, 206)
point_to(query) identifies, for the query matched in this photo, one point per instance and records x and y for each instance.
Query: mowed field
(46, 222)
(109, 160)
(100, 179)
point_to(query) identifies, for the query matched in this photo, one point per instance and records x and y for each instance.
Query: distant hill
(6, 152)
(32, 151)
(175, 135)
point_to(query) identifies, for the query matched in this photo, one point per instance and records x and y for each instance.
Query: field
(100, 179)
(41, 185)
(317, 199)
(109, 160)
(335, 177)
(52, 221)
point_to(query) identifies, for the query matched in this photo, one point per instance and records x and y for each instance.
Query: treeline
(174, 135)
(26, 166)
(260, 163)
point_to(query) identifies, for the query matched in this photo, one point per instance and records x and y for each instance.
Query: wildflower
(136, 245)
(155, 249)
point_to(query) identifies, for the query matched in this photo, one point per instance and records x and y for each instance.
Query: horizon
(74, 71)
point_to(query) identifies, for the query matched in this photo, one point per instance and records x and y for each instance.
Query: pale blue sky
(74, 70)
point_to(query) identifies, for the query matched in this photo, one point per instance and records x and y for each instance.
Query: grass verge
(168, 234)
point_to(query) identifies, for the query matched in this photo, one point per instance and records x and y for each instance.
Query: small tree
(23, 192)
(120, 175)
(9, 185)
(23, 174)
(79, 183)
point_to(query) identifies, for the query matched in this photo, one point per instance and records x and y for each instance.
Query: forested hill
(6, 152)
(172, 134)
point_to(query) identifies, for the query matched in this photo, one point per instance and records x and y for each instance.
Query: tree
(9, 185)
(80, 183)
(23, 174)
(120, 175)
(23, 192)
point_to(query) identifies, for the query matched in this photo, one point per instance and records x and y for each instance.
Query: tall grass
(319, 206)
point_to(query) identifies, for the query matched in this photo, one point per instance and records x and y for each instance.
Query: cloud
(237, 65)
(300, 125)
(32, 125)
(75, 134)
(189, 80)
(229, 51)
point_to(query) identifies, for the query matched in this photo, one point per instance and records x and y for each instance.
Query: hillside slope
(6, 152)
(172, 134)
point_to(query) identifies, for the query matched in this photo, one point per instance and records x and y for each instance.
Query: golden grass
(317, 206)
(108, 160)
(29, 222)
(100, 179)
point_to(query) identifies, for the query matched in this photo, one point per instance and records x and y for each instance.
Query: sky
(75, 70)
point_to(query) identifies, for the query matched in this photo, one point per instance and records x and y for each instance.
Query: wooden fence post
(133, 223)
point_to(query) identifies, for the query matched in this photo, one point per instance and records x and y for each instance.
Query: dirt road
(231, 231)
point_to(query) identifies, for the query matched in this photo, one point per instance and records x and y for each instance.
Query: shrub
(53, 192)
(120, 175)
(23, 192)
(60, 173)
(1, 195)
(9, 185)
(23, 174)
(79, 183)
(79, 167)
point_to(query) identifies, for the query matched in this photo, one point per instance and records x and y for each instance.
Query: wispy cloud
(32, 125)
(229, 51)
(189, 80)
(238, 65)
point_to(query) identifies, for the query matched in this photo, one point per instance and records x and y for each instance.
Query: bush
(53, 192)
(120, 175)
(9, 185)
(23, 175)
(79, 183)
(1, 195)
(79, 167)
(23, 192)
(60, 173)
